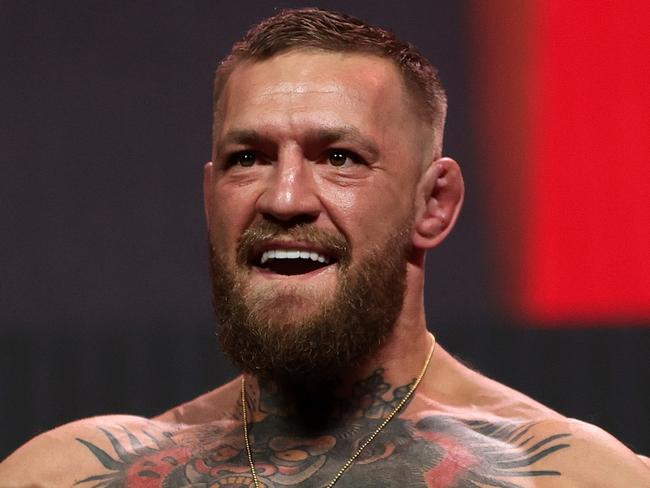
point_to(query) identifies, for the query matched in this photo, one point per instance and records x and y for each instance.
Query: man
(326, 190)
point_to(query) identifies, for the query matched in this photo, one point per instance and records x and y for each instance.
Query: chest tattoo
(438, 451)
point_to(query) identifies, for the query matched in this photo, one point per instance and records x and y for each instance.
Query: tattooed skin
(434, 451)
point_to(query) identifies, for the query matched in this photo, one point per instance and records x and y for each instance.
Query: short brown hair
(314, 28)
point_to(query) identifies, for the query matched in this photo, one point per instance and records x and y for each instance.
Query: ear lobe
(439, 199)
(208, 189)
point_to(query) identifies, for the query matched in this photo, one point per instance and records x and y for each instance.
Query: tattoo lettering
(435, 451)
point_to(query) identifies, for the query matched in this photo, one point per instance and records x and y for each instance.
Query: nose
(290, 194)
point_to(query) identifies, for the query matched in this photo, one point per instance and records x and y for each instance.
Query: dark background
(105, 124)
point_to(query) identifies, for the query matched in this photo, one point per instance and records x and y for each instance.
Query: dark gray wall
(104, 291)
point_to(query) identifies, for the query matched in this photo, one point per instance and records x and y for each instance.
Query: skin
(460, 429)
(287, 101)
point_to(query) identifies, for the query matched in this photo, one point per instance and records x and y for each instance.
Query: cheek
(370, 213)
(230, 214)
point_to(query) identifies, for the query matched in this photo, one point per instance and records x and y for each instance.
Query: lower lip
(304, 276)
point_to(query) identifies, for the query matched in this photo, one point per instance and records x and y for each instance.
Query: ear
(208, 189)
(439, 194)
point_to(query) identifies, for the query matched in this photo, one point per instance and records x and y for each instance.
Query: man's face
(310, 200)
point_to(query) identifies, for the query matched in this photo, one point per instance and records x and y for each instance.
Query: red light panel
(586, 235)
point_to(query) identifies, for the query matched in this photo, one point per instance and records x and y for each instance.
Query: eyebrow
(346, 133)
(325, 136)
(238, 136)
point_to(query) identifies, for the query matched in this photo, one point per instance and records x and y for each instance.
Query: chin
(287, 307)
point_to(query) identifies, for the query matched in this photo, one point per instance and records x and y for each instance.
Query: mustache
(334, 244)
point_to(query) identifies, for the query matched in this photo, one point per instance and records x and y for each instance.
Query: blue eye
(243, 158)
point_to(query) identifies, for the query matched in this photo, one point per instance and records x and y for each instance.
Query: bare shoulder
(534, 445)
(598, 459)
(526, 452)
(66, 455)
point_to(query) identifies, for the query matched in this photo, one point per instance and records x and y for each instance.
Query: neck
(376, 390)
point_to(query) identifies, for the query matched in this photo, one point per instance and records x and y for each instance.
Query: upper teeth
(293, 254)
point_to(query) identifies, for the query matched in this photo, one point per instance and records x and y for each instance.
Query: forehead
(315, 87)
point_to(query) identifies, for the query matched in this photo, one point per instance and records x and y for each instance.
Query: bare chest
(435, 451)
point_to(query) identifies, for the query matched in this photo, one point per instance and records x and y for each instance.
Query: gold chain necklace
(361, 448)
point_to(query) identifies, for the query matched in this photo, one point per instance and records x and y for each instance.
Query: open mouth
(290, 262)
